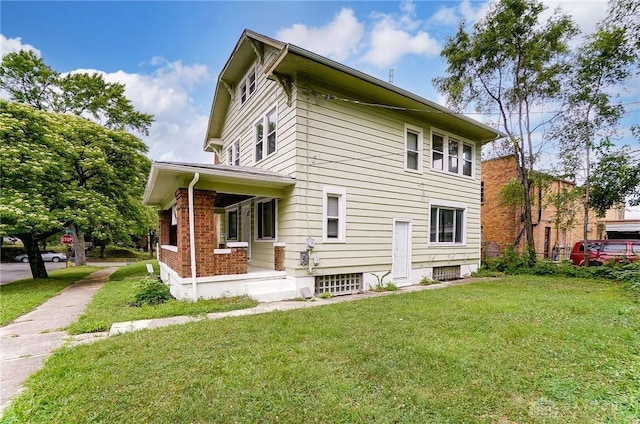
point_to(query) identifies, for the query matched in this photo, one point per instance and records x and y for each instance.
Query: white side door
(401, 265)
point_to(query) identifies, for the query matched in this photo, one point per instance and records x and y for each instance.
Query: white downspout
(192, 237)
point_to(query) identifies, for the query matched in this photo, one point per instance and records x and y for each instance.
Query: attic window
(248, 85)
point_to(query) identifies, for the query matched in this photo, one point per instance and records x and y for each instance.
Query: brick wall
(230, 261)
(499, 223)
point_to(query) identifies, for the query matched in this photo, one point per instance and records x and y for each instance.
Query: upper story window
(413, 149)
(265, 131)
(233, 154)
(334, 211)
(248, 85)
(451, 155)
(266, 213)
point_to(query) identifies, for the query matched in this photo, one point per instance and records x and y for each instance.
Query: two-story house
(327, 178)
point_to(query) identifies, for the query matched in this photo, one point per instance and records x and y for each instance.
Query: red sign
(66, 239)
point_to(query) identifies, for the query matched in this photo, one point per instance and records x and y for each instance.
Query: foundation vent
(445, 273)
(339, 284)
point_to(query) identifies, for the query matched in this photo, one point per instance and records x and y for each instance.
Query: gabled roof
(294, 62)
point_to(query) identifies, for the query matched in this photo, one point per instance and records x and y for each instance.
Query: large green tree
(511, 64)
(28, 79)
(592, 115)
(59, 170)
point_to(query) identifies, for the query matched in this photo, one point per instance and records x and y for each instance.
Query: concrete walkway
(31, 338)
(28, 341)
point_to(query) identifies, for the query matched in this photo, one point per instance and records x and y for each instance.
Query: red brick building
(503, 226)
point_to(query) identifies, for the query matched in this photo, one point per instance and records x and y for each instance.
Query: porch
(196, 258)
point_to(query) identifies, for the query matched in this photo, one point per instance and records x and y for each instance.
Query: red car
(601, 251)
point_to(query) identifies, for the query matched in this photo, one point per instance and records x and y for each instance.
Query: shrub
(390, 287)
(424, 281)
(151, 291)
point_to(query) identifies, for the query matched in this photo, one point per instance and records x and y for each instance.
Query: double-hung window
(413, 149)
(265, 132)
(232, 224)
(266, 211)
(447, 225)
(334, 211)
(233, 154)
(451, 155)
(248, 85)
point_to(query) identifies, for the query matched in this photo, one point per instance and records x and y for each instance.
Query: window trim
(257, 221)
(233, 153)
(442, 204)
(462, 142)
(227, 234)
(420, 152)
(341, 194)
(245, 83)
(264, 120)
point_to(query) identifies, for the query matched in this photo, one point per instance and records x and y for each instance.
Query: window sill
(414, 171)
(169, 247)
(453, 174)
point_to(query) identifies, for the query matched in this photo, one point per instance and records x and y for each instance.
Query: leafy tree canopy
(59, 169)
(27, 79)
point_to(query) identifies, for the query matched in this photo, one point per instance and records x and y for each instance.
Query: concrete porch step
(271, 290)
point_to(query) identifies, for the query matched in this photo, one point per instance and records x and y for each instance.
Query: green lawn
(516, 350)
(112, 303)
(22, 296)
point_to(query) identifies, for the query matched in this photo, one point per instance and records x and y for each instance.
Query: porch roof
(235, 182)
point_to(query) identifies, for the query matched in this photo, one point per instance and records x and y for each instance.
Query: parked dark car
(47, 256)
(601, 251)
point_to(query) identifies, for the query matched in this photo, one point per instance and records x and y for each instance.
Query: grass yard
(22, 296)
(111, 303)
(516, 350)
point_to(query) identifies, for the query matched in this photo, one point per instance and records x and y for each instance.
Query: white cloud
(585, 14)
(393, 36)
(463, 11)
(10, 45)
(338, 39)
(178, 131)
(388, 42)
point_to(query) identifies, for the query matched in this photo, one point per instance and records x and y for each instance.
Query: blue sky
(169, 53)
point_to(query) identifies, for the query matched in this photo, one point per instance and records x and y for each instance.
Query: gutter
(192, 236)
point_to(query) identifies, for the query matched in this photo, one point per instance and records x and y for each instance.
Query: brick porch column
(278, 256)
(164, 222)
(205, 231)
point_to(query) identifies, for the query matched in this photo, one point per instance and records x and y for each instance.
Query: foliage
(614, 178)
(29, 80)
(60, 170)
(510, 63)
(591, 117)
(424, 281)
(523, 349)
(325, 295)
(380, 285)
(22, 296)
(150, 291)
(564, 203)
(513, 264)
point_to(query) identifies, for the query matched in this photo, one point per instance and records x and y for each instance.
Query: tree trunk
(36, 263)
(585, 228)
(528, 220)
(78, 245)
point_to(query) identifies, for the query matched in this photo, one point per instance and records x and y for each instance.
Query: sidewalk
(30, 339)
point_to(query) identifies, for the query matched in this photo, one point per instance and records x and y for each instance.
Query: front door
(246, 227)
(401, 249)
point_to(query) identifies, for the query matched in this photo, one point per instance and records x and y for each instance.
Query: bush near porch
(112, 303)
(522, 349)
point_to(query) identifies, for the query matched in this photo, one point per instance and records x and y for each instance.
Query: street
(10, 272)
